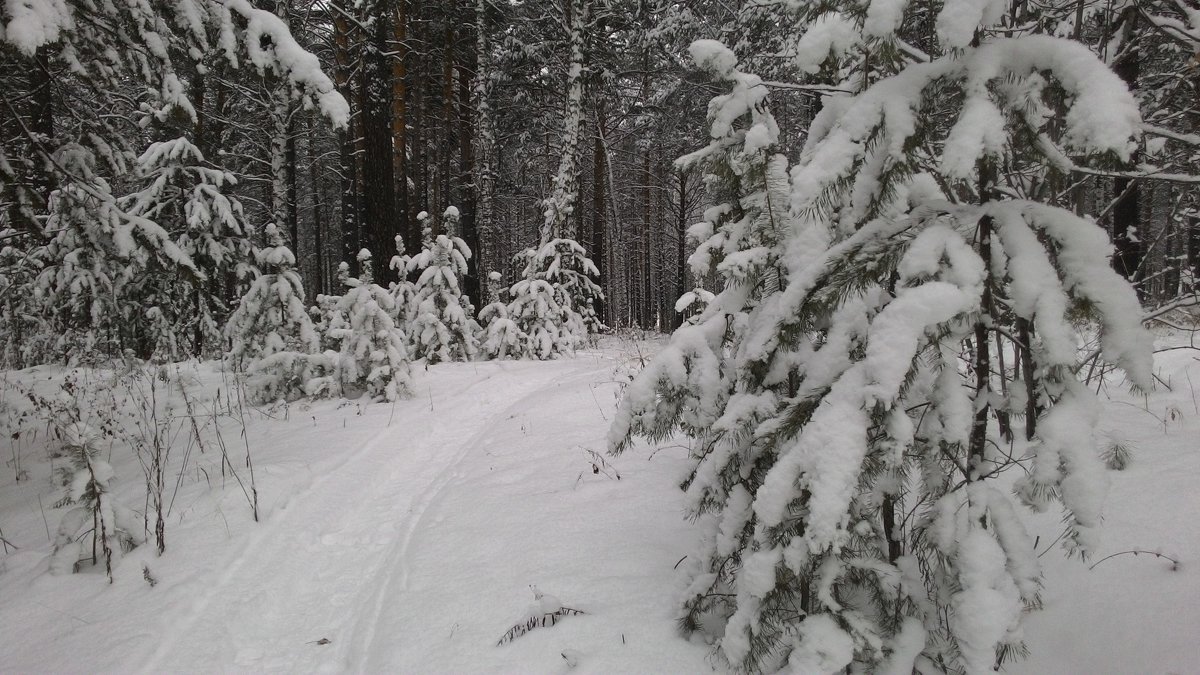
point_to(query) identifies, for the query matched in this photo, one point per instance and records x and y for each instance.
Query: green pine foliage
(897, 328)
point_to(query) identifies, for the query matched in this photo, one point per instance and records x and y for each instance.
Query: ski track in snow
(354, 553)
(396, 572)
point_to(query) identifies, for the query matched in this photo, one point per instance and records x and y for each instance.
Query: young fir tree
(185, 197)
(549, 327)
(554, 302)
(326, 312)
(404, 292)
(442, 326)
(371, 358)
(500, 337)
(848, 439)
(26, 337)
(270, 333)
(566, 266)
(693, 384)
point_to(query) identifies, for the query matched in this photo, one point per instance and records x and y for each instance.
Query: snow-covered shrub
(103, 270)
(499, 336)
(106, 258)
(26, 336)
(404, 292)
(548, 328)
(86, 420)
(892, 309)
(326, 312)
(187, 199)
(565, 264)
(113, 528)
(271, 334)
(271, 316)
(442, 327)
(371, 357)
(145, 272)
(553, 304)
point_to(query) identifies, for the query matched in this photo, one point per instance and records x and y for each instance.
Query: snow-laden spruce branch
(265, 38)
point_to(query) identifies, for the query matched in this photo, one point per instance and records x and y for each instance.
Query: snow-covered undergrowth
(406, 537)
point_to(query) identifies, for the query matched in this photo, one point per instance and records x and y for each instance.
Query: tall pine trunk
(465, 65)
(1128, 238)
(400, 123)
(599, 188)
(378, 188)
(347, 138)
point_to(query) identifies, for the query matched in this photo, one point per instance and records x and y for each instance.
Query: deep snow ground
(1133, 614)
(408, 537)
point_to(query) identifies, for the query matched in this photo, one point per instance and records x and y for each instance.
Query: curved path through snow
(330, 562)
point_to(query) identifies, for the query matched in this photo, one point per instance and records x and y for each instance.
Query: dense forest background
(464, 103)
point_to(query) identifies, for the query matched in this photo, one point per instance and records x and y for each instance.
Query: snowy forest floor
(405, 537)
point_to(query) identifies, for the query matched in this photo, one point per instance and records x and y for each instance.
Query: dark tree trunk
(379, 206)
(681, 227)
(644, 301)
(291, 173)
(468, 191)
(400, 123)
(1128, 238)
(443, 193)
(599, 186)
(347, 139)
(321, 255)
(42, 119)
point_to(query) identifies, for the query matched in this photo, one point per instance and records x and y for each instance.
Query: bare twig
(1136, 552)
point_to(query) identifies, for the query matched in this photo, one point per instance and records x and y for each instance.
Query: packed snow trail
(316, 567)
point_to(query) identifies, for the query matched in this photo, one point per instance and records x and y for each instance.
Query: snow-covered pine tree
(404, 292)
(326, 313)
(553, 303)
(95, 264)
(500, 337)
(566, 266)
(693, 385)
(270, 333)
(26, 337)
(372, 357)
(930, 299)
(186, 198)
(535, 309)
(544, 311)
(442, 325)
